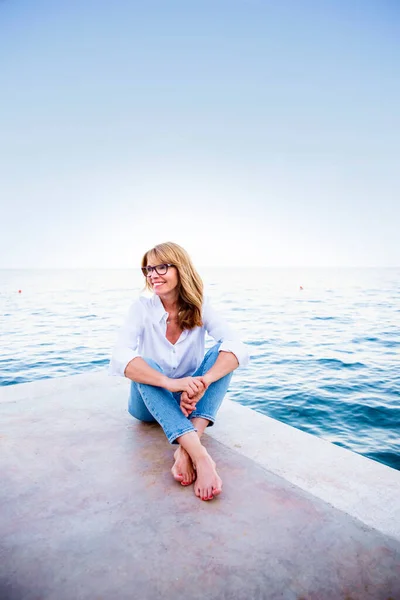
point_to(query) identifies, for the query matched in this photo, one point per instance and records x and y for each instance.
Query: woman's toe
(176, 475)
(217, 490)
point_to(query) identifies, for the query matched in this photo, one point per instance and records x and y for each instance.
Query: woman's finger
(186, 411)
(188, 406)
(193, 386)
(202, 385)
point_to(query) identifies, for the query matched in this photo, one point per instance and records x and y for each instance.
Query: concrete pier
(89, 509)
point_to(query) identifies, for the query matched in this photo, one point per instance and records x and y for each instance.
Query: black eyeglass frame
(148, 270)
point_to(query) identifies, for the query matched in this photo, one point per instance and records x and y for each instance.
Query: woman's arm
(126, 347)
(138, 370)
(231, 343)
(225, 363)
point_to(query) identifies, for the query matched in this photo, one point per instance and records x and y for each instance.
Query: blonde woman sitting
(160, 348)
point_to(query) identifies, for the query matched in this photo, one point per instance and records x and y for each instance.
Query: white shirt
(143, 334)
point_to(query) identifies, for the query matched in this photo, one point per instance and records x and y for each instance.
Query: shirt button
(173, 350)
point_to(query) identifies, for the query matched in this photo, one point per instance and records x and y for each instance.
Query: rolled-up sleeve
(127, 344)
(222, 332)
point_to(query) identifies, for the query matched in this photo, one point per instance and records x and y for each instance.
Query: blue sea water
(325, 343)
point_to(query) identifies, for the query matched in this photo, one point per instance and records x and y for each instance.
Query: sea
(324, 343)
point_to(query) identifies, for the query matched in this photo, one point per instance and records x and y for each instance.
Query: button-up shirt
(144, 334)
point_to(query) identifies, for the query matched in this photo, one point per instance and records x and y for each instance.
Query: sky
(252, 132)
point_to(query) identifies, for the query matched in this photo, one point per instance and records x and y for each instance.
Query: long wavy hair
(190, 286)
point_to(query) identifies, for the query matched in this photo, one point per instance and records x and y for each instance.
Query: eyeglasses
(159, 269)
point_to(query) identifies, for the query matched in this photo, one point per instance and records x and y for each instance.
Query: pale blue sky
(252, 132)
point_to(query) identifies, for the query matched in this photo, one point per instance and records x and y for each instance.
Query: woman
(160, 349)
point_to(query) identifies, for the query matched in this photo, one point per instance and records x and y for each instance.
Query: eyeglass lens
(159, 269)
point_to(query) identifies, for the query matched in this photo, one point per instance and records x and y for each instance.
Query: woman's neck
(170, 303)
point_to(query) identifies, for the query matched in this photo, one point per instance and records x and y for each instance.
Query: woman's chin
(157, 288)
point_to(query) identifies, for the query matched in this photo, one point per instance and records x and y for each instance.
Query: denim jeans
(150, 403)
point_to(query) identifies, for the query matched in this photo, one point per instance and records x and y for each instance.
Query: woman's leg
(204, 415)
(136, 406)
(183, 469)
(150, 403)
(208, 483)
(209, 404)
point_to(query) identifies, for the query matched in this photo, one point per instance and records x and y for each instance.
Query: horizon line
(204, 267)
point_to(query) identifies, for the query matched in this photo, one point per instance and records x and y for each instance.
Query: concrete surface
(363, 488)
(89, 510)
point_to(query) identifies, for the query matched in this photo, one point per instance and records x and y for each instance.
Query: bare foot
(208, 483)
(183, 470)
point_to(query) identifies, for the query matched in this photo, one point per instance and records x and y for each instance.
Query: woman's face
(162, 284)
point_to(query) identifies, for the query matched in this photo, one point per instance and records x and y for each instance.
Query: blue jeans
(150, 403)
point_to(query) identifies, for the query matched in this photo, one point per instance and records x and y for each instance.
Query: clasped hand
(192, 390)
(188, 402)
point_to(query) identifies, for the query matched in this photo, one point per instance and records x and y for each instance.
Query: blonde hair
(190, 286)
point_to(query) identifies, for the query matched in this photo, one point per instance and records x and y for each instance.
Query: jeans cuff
(173, 437)
(203, 416)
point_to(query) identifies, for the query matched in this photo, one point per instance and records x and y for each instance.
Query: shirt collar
(161, 316)
(159, 310)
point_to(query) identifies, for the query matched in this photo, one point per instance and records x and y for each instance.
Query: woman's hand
(188, 404)
(190, 385)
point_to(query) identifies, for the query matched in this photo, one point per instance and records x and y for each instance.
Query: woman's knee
(213, 351)
(209, 359)
(136, 406)
(141, 415)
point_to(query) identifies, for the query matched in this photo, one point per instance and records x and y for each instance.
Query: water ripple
(325, 359)
(334, 363)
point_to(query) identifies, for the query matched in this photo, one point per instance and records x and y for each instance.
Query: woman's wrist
(166, 383)
(207, 378)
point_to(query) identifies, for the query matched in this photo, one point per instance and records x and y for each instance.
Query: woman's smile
(164, 283)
